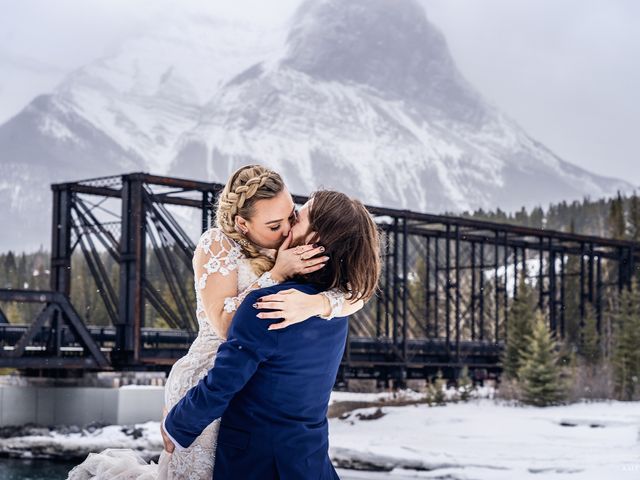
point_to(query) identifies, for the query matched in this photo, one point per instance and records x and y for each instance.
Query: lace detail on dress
(220, 255)
(223, 257)
(230, 304)
(265, 280)
(217, 254)
(336, 300)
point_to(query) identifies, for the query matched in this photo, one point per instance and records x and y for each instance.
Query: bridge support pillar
(60, 279)
(131, 306)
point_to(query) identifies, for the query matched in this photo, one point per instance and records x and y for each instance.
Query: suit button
(239, 347)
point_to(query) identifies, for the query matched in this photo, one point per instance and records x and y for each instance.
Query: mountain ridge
(355, 95)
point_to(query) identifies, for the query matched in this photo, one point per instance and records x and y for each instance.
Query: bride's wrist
(324, 305)
(276, 275)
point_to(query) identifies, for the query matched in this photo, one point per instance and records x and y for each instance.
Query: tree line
(541, 368)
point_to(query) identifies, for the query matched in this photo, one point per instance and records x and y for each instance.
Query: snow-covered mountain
(119, 114)
(359, 95)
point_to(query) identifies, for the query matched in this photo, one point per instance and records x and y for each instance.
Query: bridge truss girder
(437, 272)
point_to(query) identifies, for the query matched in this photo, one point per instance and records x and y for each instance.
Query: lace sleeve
(215, 266)
(218, 255)
(336, 300)
(215, 254)
(231, 304)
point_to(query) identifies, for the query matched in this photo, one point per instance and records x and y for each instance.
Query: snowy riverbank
(480, 439)
(483, 439)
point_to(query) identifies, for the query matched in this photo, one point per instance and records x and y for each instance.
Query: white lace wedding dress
(215, 254)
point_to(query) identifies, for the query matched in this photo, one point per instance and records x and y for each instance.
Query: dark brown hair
(352, 241)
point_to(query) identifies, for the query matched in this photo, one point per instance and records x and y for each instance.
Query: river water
(14, 469)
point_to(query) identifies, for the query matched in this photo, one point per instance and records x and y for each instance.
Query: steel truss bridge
(443, 302)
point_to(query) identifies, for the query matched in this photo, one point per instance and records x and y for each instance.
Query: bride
(248, 249)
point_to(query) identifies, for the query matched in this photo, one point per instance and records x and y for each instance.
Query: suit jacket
(272, 390)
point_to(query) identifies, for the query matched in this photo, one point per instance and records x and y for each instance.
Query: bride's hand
(292, 305)
(299, 260)
(168, 444)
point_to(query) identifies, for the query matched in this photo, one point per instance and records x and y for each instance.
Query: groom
(272, 387)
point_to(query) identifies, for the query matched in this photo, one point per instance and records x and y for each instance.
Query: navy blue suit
(271, 389)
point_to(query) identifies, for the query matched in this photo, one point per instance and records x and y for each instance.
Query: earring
(242, 231)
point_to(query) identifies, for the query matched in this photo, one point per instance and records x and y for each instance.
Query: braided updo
(245, 187)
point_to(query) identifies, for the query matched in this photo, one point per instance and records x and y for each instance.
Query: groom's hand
(300, 260)
(291, 305)
(168, 444)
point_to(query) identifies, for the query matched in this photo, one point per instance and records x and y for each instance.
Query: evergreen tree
(634, 224)
(572, 294)
(602, 217)
(520, 324)
(634, 218)
(617, 226)
(485, 326)
(22, 273)
(521, 217)
(540, 374)
(9, 270)
(571, 306)
(418, 296)
(590, 343)
(465, 384)
(537, 218)
(435, 390)
(626, 354)
(500, 215)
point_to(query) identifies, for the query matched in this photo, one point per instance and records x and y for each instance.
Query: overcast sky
(567, 70)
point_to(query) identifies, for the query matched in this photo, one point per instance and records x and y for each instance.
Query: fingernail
(322, 249)
(260, 299)
(255, 305)
(259, 315)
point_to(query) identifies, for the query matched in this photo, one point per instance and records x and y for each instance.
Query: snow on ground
(75, 443)
(478, 440)
(405, 395)
(483, 439)
(373, 397)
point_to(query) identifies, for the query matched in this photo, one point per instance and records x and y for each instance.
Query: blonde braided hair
(245, 187)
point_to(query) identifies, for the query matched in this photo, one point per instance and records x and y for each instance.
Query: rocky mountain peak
(388, 45)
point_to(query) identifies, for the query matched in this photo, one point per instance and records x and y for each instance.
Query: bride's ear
(241, 225)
